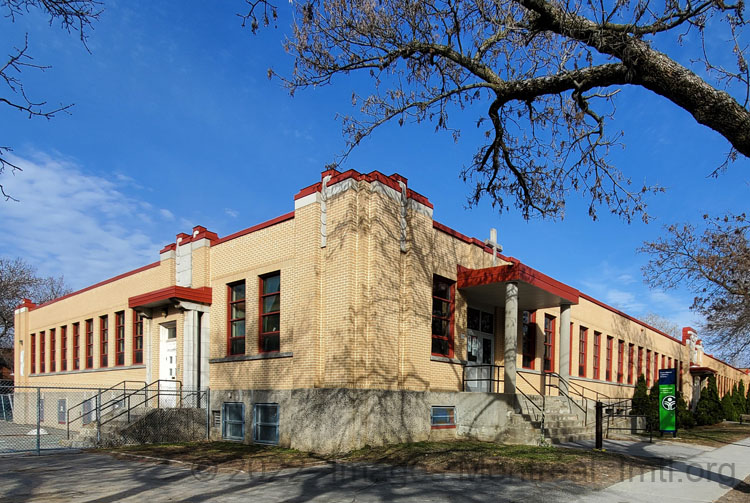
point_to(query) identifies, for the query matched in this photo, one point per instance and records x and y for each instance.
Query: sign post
(668, 401)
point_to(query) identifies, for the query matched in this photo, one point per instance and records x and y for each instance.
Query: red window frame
(528, 341)
(119, 338)
(669, 362)
(597, 353)
(663, 361)
(90, 343)
(640, 361)
(103, 341)
(52, 352)
(235, 343)
(583, 336)
(440, 339)
(63, 348)
(648, 368)
(549, 343)
(656, 367)
(269, 341)
(42, 341)
(620, 357)
(33, 353)
(137, 338)
(76, 346)
(608, 370)
(631, 362)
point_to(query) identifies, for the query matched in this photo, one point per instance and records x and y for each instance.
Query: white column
(189, 364)
(147, 341)
(205, 348)
(564, 344)
(511, 336)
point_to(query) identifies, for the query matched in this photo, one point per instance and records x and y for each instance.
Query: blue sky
(176, 124)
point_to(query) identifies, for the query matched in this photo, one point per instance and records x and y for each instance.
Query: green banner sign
(668, 400)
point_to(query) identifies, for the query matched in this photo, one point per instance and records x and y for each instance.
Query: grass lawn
(717, 435)
(595, 469)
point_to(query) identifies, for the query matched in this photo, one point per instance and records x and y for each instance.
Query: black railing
(487, 378)
(97, 408)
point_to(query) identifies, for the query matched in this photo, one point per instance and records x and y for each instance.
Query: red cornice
(169, 247)
(277, 220)
(97, 285)
(201, 295)
(515, 272)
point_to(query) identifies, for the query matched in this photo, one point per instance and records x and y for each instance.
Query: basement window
(233, 421)
(266, 423)
(442, 417)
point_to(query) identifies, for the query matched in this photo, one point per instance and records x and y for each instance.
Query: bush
(709, 409)
(727, 405)
(685, 418)
(740, 402)
(652, 410)
(640, 397)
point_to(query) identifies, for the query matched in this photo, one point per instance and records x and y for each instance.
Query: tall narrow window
(669, 362)
(120, 338)
(610, 342)
(52, 352)
(583, 335)
(236, 318)
(63, 348)
(103, 340)
(549, 343)
(597, 353)
(270, 313)
(631, 362)
(640, 361)
(620, 356)
(90, 344)
(76, 346)
(42, 341)
(663, 361)
(442, 317)
(137, 338)
(33, 353)
(648, 368)
(656, 367)
(528, 347)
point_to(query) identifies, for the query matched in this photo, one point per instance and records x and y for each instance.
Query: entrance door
(480, 326)
(168, 365)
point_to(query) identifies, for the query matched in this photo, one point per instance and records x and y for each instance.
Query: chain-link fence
(36, 418)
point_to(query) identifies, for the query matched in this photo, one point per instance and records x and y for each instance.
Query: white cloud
(232, 213)
(166, 214)
(73, 223)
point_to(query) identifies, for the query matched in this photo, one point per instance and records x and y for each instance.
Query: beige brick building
(355, 304)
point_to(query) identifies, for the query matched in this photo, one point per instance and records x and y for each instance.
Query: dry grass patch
(717, 435)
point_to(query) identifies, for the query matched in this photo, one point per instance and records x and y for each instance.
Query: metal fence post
(98, 417)
(38, 421)
(208, 413)
(599, 425)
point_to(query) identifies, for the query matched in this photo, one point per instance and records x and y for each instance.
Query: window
(442, 317)
(42, 340)
(171, 329)
(663, 361)
(631, 362)
(236, 318)
(442, 417)
(640, 361)
(620, 356)
(648, 367)
(608, 371)
(33, 353)
(549, 343)
(64, 348)
(52, 353)
(88, 407)
(669, 364)
(233, 421)
(266, 423)
(583, 335)
(90, 344)
(76, 346)
(597, 353)
(656, 367)
(270, 313)
(103, 340)
(120, 338)
(528, 346)
(137, 338)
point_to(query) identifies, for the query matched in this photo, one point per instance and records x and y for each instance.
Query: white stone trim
(167, 255)
(200, 243)
(307, 200)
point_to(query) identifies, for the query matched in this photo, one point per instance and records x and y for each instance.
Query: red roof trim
(169, 247)
(269, 223)
(627, 316)
(472, 241)
(515, 272)
(202, 295)
(102, 283)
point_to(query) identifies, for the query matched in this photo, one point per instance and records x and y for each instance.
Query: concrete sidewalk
(704, 477)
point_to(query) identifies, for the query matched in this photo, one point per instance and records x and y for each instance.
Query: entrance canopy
(535, 290)
(701, 371)
(170, 295)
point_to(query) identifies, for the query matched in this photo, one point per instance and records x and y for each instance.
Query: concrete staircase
(563, 422)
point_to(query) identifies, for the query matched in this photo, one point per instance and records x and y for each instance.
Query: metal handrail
(97, 398)
(493, 379)
(541, 409)
(147, 398)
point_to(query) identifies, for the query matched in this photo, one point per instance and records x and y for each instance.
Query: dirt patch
(740, 494)
(717, 435)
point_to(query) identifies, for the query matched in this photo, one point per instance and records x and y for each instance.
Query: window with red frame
(120, 338)
(631, 362)
(236, 318)
(549, 343)
(76, 346)
(656, 367)
(137, 338)
(583, 335)
(442, 316)
(42, 341)
(33, 353)
(64, 348)
(528, 346)
(269, 336)
(669, 362)
(640, 361)
(52, 352)
(620, 356)
(663, 361)
(90, 344)
(597, 353)
(103, 340)
(608, 370)
(648, 368)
